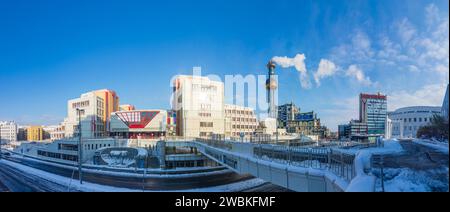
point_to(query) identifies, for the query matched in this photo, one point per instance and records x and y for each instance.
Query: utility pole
(80, 147)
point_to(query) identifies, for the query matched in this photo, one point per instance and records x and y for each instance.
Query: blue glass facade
(373, 111)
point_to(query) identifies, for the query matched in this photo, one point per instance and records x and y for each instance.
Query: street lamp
(80, 147)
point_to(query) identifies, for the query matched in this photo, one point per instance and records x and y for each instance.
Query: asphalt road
(12, 179)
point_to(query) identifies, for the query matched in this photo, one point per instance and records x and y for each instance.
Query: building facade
(406, 121)
(58, 133)
(373, 111)
(110, 104)
(35, 133)
(126, 107)
(286, 113)
(239, 121)
(8, 131)
(304, 123)
(199, 105)
(92, 115)
(171, 123)
(355, 130)
(358, 131)
(22, 133)
(343, 131)
(139, 124)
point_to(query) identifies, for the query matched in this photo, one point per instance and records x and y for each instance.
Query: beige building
(92, 113)
(239, 120)
(199, 106)
(96, 108)
(35, 133)
(58, 133)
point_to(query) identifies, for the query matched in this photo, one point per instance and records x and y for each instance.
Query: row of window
(414, 119)
(58, 155)
(239, 112)
(80, 104)
(239, 133)
(405, 128)
(96, 146)
(244, 127)
(204, 88)
(204, 114)
(244, 119)
(205, 134)
(206, 124)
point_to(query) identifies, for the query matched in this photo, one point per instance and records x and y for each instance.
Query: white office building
(406, 121)
(199, 105)
(92, 112)
(239, 120)
(8, 131)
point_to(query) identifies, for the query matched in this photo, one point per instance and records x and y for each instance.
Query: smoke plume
(299, 63)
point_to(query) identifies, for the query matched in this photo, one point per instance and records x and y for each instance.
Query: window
(420, 119)
(425, 119)
(206, 124)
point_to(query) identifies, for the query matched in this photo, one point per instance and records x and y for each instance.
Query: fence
(339, 163)
(221, 144)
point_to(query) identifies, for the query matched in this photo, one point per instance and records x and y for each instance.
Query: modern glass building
(373, 111)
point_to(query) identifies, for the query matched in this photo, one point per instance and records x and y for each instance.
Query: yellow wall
(111, 103)
(126, 107)
(35, 133)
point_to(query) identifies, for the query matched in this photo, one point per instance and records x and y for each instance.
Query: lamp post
(80, 147)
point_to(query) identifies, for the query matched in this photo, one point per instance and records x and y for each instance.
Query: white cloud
(428, 95)
(299, 63)
(406, 31)
(413, 68)
(326, 69)
(432, 14)
(355, 72)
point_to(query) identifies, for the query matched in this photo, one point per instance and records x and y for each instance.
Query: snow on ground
(234, 187)
(440, 146)
(74, 185)
(407, 180)
(363, 181)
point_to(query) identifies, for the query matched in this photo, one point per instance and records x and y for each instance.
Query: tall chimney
(271, 86)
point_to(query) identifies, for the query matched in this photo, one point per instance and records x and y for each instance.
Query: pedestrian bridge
(300, 169)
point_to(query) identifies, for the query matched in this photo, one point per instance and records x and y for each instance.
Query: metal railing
(339, 163)
(221, 144)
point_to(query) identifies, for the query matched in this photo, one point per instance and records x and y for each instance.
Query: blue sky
(52, 51)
